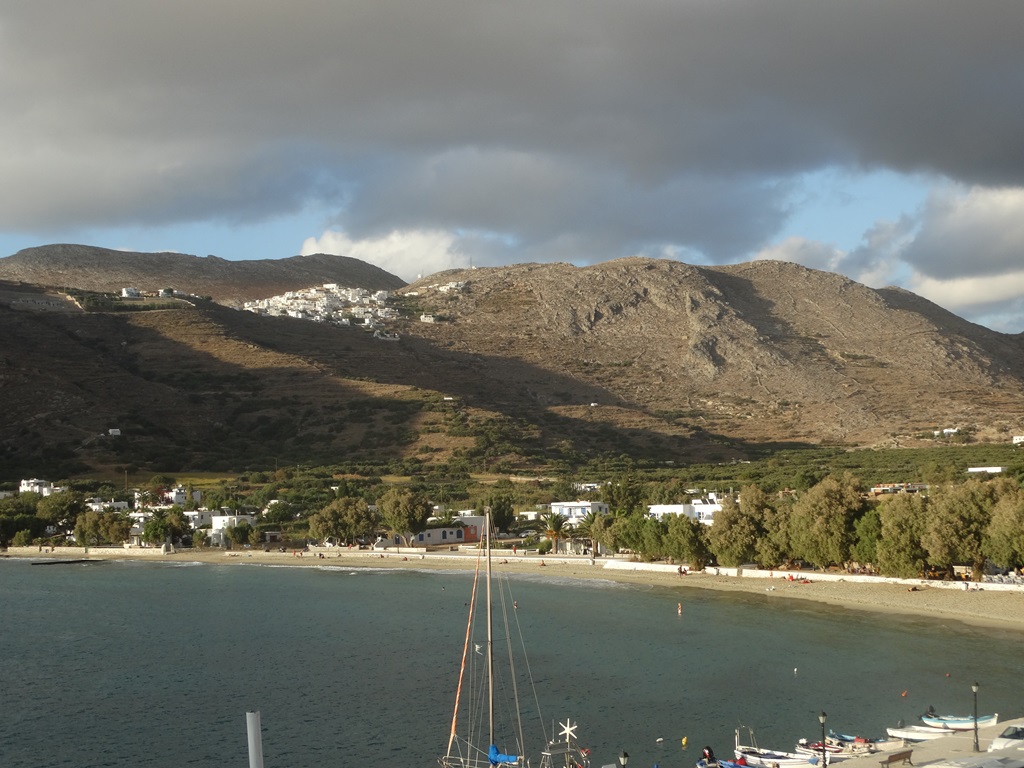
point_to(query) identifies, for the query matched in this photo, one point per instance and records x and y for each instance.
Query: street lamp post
(824, 756)
(623, 759)
(974, 689)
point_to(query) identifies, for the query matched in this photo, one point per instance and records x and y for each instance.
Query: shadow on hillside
(227, 390)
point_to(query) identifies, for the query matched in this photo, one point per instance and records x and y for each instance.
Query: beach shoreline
(978, 605)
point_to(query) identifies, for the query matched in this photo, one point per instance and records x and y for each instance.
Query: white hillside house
(702, 509)
(575, 511)
(220, 524)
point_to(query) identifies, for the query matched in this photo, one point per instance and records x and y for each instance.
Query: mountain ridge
(227, 282)
(526, 365)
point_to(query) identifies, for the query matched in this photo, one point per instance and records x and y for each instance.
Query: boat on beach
(957, 723)
(475, 734)
(918, 732)
(839, 748)
(876, 745)
(770, 758)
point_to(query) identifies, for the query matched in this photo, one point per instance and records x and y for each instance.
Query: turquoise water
(156, 664)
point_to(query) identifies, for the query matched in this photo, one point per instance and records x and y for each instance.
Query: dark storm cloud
(624, 124)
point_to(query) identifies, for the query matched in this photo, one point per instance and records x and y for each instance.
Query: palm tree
(554, 527)
(592, 527)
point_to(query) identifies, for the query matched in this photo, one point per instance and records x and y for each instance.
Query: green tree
(624, 495)
(403, 513)
(61, 509)
(22, 538)
(899, 551)
(22, 504)
(199, 538)
(959, 515)
(105, 527)
(156, 530)
(344, 519)
(1004, 536)
(686, 540)
(734, 534)
(867, 530)
(774, 547)
(502, 511)
(280, 512)
(822, 520)
(241, 533)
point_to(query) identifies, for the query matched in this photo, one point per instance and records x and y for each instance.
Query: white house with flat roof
(220, 524)
(575, 511)
(42, 487)
(702, 509)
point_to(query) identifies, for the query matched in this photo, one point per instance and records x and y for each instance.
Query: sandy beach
(981, 606)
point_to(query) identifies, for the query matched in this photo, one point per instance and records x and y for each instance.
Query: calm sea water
(156, 664)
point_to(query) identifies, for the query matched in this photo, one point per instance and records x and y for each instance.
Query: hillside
(765, 351)
(528, 365)
(227, 282)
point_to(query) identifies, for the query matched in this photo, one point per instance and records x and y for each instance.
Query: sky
(880, 139)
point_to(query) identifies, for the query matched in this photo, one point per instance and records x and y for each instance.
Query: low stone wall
(83, 552)
(786, 575)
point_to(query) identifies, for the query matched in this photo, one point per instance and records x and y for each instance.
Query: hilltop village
(328, 303)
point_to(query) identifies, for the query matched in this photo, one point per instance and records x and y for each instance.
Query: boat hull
(766, 758)
(918, 732)
(958, 723)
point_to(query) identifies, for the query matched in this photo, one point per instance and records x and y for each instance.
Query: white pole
(252, 726)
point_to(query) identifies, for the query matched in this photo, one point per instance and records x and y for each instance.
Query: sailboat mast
(490, 635)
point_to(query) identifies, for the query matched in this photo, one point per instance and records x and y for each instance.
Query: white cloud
(407, 254)
(799, 250)
(969, 231)
(974, 293)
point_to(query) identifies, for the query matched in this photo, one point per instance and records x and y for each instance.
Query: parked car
(1012, 736)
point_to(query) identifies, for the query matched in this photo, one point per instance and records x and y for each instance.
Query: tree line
(831, 523)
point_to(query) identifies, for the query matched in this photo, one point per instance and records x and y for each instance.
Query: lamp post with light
(623, 759)
(824, 757)
(974, 689)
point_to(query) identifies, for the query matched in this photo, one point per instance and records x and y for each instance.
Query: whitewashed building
(575, 511)
(220, 524)
(702, 509)
(42, 487)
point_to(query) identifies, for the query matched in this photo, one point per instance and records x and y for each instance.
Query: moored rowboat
(955, 723)
(918, 732)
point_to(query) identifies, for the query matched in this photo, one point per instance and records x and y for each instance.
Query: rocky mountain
(227, 282)
(523, 365)
(760, 351)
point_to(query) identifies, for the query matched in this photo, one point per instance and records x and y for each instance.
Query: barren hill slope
(227, 282)
(527, 365)
(765, 350)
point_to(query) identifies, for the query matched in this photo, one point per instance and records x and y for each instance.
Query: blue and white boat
(956, 723)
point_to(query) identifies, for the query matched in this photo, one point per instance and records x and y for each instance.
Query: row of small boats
(839, 746)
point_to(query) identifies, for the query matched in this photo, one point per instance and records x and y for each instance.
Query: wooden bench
(902, 756)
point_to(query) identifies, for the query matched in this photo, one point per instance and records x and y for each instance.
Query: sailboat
(470, 745)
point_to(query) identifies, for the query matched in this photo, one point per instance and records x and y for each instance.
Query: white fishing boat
(477, 739)
(836, 750)
(918, 732)
(754, 755)
(874, 745)
(957, 723)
